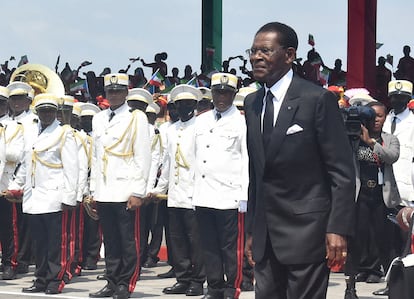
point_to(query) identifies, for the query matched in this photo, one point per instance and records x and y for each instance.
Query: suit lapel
(284, 120)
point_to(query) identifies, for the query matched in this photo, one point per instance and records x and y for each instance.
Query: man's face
(137, 105)
(185, 108)
(47, 115)
(64, 114)
(19, 103)
(116, 97)
(3, 107)
(223, 98)
(399, 102)
(269, 60)
(86, 123)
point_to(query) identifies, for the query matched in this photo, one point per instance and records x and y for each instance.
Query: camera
(354, 117)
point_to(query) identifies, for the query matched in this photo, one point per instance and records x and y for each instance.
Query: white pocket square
(294, 129)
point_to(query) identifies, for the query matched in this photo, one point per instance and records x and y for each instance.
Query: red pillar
(362, 27)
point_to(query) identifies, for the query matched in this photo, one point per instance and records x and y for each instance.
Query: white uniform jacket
(404, 130)
(221, 173)
(156, 153)
(14, 149)
(177, 173)
(121, 155)
(51, 169)
(84, 144)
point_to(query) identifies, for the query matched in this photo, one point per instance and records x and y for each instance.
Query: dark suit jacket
(304, 185)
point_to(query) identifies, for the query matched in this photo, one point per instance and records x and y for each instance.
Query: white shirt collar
(280, 88)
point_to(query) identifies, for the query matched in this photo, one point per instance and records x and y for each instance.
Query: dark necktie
(111, 116)
(268, 118)
(393, 124)
(218, 116)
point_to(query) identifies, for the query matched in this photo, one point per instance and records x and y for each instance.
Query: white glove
(243, 206)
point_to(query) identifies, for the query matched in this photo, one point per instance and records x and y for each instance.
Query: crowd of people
(258, 183)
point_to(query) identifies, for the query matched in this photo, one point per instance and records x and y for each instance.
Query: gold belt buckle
(371, 184)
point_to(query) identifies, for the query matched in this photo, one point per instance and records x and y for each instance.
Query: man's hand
(134, 202)
(248, 249)
(336, 249)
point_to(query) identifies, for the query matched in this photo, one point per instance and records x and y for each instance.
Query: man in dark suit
(302, 180)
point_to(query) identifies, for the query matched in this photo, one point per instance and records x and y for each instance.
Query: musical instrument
(41, 78)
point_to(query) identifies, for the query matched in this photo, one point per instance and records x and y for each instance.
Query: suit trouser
(222, 236)
(280, 281)
(152, 221)
(371, 220)
(186, 246)
(120, 229)
(8, 239)
(50, 240)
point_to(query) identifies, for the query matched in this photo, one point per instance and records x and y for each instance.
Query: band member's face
(223, 98)
(47, 115)
(18, 104)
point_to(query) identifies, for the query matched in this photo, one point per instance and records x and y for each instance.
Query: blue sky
(109, 32)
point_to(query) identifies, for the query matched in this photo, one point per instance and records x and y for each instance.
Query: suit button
(203, 176)
(211, 131)
(204, 161)
(208, 146)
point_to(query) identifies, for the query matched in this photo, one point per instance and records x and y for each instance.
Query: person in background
(377, 194)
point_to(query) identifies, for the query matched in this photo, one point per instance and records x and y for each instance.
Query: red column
(362, 27)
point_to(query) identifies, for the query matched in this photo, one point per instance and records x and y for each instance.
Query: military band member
(13, 136)
(220, 188)
(50, 182)
(20, 98)
(177, 176)
(120, 166)
(90, 237)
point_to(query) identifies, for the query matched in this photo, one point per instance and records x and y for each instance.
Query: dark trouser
(90, 239)
(186, 246)
(71, 228)
(152, 221)
(222, 236)
(50, 240)
(371, 221)
(120, 229)
(278, 281)
(24, 253)
(8, 239)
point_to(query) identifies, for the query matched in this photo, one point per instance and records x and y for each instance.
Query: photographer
(376, 193)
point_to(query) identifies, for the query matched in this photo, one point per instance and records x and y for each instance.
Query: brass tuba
(41, 78)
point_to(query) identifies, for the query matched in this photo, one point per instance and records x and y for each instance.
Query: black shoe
(209, 296)
(51, 292)
(247, 286)
(350, 294)
(195, 289)
(106, 291)
(90, 267)
(101, 277)
(382, 292)
(150, 263)
(177, 288)
(361, 277)
(121, 292)
(169, 274)
(33, 289)
(372, 278)
(9, 273)
(1, 268)
(22, 269)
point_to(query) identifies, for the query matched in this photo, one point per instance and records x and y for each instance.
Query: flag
(389, 59)
(193, 81)
(311, 40)
(167, 89)
(378, 45)
(156, 79)
(23, 60)
(81, 85)
(324, 76)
